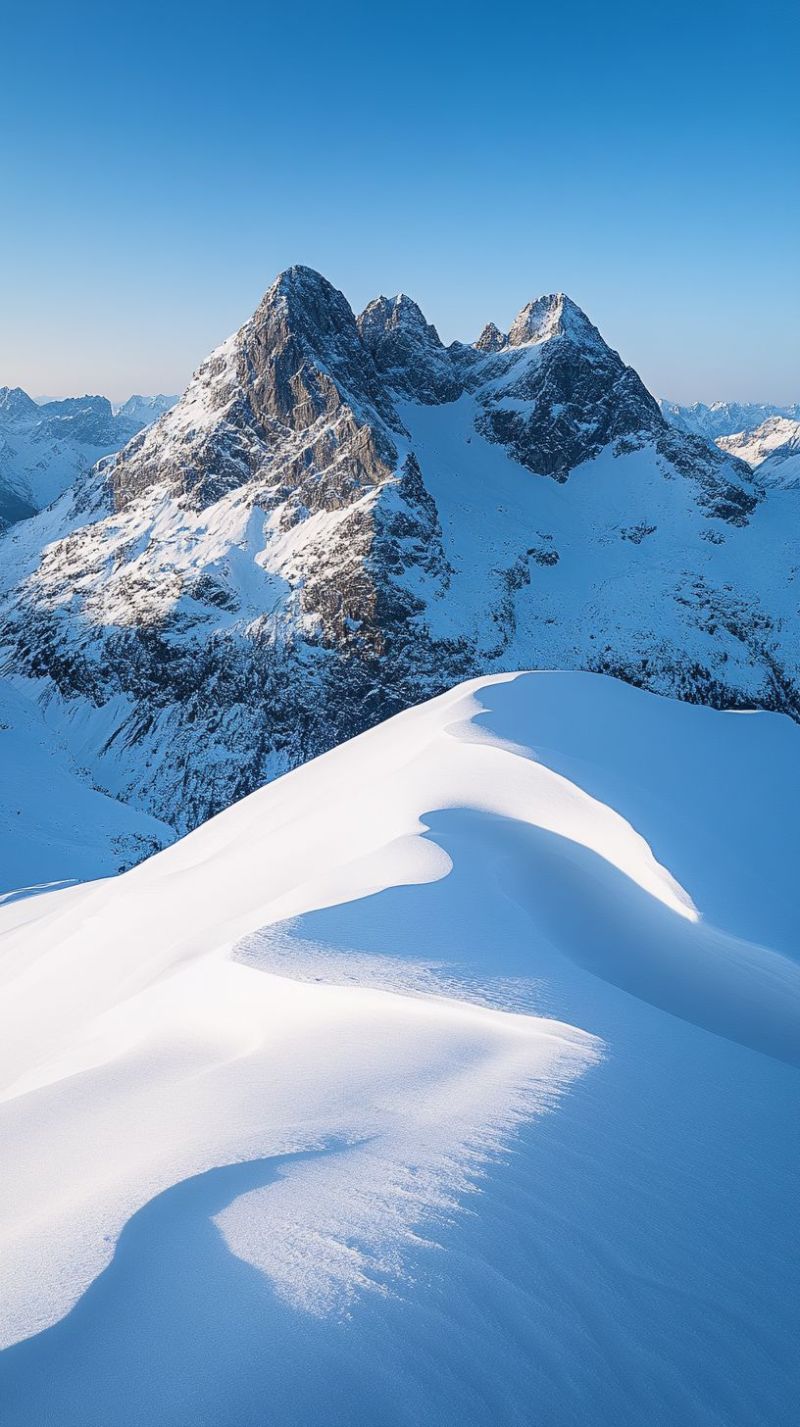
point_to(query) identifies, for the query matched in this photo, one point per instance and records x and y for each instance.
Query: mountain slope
(54, 827)
(342, 517)
(248, 1086)
(772, 449)
(781, 468)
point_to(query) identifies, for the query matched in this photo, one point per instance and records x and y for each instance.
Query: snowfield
(54, 826)
(529, 951)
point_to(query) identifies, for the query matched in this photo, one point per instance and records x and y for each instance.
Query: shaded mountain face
(44, 448)
(342, 517)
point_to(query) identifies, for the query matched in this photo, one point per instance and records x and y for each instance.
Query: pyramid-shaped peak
(16, 402)
(306, 303)
(553, 315)
(300, 279)
(491, 339)
(385, 314)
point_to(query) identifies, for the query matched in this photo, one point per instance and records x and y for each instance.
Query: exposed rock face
(491, 339)
(342, 517)
(294, 387)
(407, 351)
(556, 395)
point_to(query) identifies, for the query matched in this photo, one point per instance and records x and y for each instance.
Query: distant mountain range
(342, 517)
(766, 437)
(44, 446)
(724, 418)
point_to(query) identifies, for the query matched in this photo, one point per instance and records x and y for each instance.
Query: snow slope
(248, 1085)
(773, 451)
(54, 826)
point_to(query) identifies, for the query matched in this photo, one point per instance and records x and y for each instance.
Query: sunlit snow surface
(452, 1078)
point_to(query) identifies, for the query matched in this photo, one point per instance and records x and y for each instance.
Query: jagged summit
(342, 516)
(491, 339)
(553, 315)
(398, 311)
(407, 350)
(14, 402)
(552, 392)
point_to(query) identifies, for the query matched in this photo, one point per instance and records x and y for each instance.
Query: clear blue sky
(160, 163)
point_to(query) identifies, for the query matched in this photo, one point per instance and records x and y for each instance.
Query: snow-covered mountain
(144, 409)
(772, 449)
(342, 517)
(45, 446)
(766, 437)
(781, 468)
(758, 443)
(248, 1089)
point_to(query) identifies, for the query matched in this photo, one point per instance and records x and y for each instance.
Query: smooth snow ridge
(169, 1021)
(138, 1049)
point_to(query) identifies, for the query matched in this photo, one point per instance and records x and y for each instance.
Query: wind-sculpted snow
(125, 1006)
(250, 1086)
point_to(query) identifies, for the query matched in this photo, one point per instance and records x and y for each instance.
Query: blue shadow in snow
(161, 1334)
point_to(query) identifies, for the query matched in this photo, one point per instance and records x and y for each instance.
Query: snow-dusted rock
(342, 517)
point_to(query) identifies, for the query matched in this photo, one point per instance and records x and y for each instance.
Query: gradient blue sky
(160, 163)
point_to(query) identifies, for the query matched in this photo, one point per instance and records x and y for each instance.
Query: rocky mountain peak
(303, 354)
(491, 339)
(15, 403)
(407, 350)
(307, 302)
(554, 315)
(323, 531)
(294, 393)
(385, 313)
